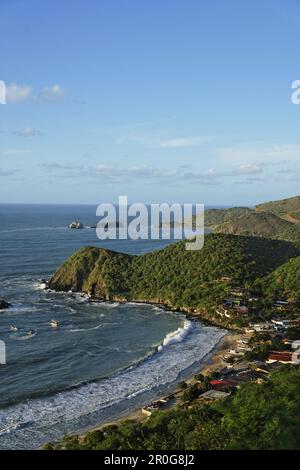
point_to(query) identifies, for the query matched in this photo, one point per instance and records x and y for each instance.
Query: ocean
(104, 360)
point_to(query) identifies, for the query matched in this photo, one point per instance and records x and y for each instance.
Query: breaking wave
(177, 336)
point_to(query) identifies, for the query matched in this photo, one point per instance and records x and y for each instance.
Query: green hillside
(173, 275)
(283, 282)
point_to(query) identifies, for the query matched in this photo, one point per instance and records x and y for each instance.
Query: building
(286, 357)
(285, 324)
(214, 395)
(221, 384)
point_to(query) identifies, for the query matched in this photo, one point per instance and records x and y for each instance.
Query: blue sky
(165, 101)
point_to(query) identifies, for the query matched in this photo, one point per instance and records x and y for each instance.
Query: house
(214, 395)
(286, 357)
(221, 384)
(231, 311)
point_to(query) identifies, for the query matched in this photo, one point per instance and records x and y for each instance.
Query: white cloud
(183, 142)
(248, 169)
(28, 132)
(17, 93)
(165, 143)
(52, 94)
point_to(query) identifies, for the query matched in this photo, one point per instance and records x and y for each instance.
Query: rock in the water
(4, 304)
(76, 224)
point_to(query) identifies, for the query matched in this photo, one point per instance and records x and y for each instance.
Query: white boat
(14, 328)
(54, 323)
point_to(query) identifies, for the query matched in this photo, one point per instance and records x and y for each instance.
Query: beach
(212, 362)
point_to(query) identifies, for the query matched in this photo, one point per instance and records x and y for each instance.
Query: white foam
(41, 285)
(23, 338)
(76, 330)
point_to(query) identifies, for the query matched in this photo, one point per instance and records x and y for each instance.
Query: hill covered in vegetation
(283, 282)
(173, 275)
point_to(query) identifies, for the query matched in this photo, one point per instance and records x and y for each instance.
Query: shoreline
(212, 361)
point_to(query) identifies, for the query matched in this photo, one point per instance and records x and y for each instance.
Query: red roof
(285, 356)
(222, 383)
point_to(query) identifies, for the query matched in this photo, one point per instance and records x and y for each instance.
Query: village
(252, 352)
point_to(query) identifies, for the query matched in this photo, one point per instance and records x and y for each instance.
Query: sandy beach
(213, 362)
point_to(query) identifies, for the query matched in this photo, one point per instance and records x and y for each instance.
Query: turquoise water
(103, 360)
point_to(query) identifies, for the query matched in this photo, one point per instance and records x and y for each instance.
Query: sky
(164, 101)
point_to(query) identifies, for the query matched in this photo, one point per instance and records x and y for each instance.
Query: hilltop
(288, 209)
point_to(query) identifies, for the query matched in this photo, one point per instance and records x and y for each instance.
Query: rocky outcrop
(4, 305)
(76, 225)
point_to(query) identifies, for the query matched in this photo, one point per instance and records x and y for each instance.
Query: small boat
(30, 332)
(14, 328)
(54, 323)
